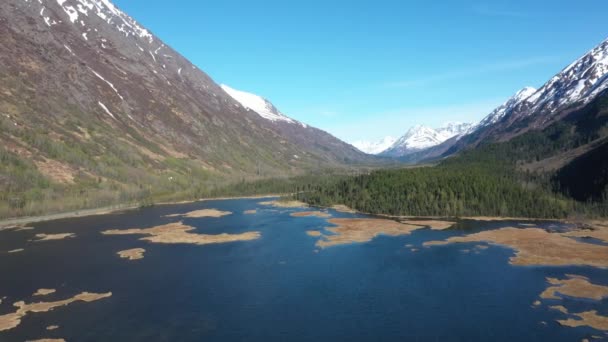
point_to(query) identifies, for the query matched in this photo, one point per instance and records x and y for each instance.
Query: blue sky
(366, 69)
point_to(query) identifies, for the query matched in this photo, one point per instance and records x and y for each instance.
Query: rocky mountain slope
(298, 133)
(572, 88)
(92, 102)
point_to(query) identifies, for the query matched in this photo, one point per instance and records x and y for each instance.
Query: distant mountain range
(528, 109)
(417, 138)
(420, 138)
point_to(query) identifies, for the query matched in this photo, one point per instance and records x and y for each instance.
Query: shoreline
(345, 209)
(18, 221)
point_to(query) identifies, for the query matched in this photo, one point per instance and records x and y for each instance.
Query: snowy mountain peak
(497, 114)
(374, 147)
(421, 137)
(259, 105)
(524, 94)
(452, 129)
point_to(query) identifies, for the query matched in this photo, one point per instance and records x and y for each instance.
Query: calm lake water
(279, 287)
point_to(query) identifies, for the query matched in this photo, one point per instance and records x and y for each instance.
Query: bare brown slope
(97, 105)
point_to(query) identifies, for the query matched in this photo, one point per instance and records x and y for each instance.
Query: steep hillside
(530, 109)
(95, 110)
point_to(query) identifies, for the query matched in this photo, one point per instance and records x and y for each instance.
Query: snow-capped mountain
(420, 137)
(507, 107)
(259, 105)
(374, 147)
(574, 86)
(454, 129)
(580, 81)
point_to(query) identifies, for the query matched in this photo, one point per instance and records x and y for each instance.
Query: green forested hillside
(496, 178)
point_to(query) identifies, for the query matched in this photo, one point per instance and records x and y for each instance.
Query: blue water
(280, 287)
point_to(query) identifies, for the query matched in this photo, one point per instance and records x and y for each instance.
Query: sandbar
(321, 214)
(44, 292)
(574, 286)
(359, 230)
(52, 327)
(535, 246)
(314, 233)
(202, 213)
(250, 212)
(132, 254)
(12, 320)
(179, 233)
(16, 250)
(52, 237)
(285, 204)
(48, 340)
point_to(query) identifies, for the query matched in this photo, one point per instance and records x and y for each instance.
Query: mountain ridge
(419, 138)
(93, 102)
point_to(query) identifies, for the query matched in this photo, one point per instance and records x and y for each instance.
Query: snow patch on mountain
(259, 105)
(374, 147)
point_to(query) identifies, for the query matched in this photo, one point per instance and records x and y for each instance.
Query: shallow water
(279, 287)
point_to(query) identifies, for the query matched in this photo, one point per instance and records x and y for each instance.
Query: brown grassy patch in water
(250, 212)
(559, 308)
(202, 213)
(432, 224)
(535, 246)
(53, 237)
(574, 286)
(12, 320)
(314, 233)
(16, 228)
(179, 233)
(343, 209)
(44, 292)
(598, 230)
(132, 254)
(285, 204)
(320, 214)
(587, 319)
(359, 230)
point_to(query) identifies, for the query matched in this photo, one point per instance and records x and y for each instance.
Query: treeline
(441, 191)
(492, 179)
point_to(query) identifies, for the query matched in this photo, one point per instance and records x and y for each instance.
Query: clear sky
(366, 69)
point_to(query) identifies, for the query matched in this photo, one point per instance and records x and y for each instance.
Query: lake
(279, 286)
